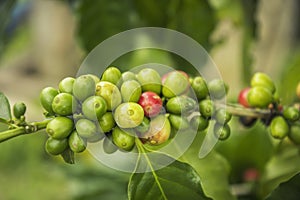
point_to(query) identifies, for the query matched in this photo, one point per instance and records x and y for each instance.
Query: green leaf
(5, 112)
(288, 190)
(68, 156)
(283, 165)
(175, 181)
(212, 169)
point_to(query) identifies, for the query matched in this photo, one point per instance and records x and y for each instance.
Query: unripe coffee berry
(111, 74)
(200, 88)
(259, 97)
(129, 115)
(19, 109)
(55, 146)
(60, 127)
(150, 80)
(199, 123)
(217, 88)
(46, 98)
(94, 107)
(263, 80)
(84, 87)
(66, 85)
(76, 143)
(63, 104)
(291, 113)
(279, 128)
(206, 108)
(294, 134)
(123, 139)
(222, 132)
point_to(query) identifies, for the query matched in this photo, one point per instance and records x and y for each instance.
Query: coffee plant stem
(22, 130)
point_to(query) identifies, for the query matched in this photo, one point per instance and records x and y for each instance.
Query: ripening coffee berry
(46, 98)
(123, 139)
(217, 88)
(242, 99)
(108, 145)
(200, 88)
(259, 97)
(294, 134)
(175, 84)
(66, 85)
(181, 105)
(222, 116)
(263, 80)
(222, 132)
(150, 80)
(159, 131)
(86, 128)
(131, 91)
(279, 128)
(94, 77)
(55, 147)
(151, 103)
(19, 109)
(129, 115)
(94, 107)
(76, 143)
(291, 113)
(179, 122)
(83, 87)
(107, 122)
(206, 108)
(110, 93)
(112, 75)
(60, 127)
(199, 123)
(63, 104)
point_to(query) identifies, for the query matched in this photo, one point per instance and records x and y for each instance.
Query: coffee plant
(142, 112)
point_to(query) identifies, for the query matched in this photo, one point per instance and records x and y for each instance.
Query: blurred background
(43, 41)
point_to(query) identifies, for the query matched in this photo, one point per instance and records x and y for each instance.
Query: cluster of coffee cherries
(121, 107)
(282, 121)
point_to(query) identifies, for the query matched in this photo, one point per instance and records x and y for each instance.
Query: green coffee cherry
(222, 116)
(96, 138)
(86, 128)
(206, 108)
(63, 104)
(175, 84)
(217, 88)
(108, 145)
(60, 127)
(263, 80)
(259, 97)
(180, 104)
(66, 85)
(150, 80)
(107, 122)
(19, 109)
(46, 98)
(200, 88)
(94, 77)
(123, 139)
(199, 123)
(110, 93)
(83, 87)
(131, 91)
(222, 132)
(56, 147)
(76, 143)
(279, 128)
(179, 122)
(129, 115)
(94, 107)
(127, 76)
(291, 113)
(294, 134)
(112, 75)
(144, 126)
